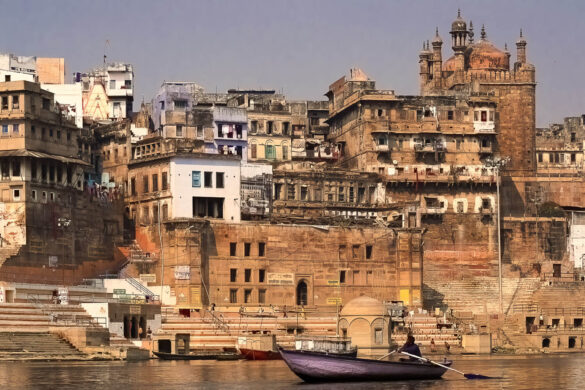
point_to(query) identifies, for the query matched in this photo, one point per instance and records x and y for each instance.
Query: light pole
(162, 258)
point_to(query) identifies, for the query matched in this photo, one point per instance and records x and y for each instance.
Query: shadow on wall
(432, 299)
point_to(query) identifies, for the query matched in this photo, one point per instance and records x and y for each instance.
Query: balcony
(382, 148)
(484, 127)
(430, 148)
(487, 149)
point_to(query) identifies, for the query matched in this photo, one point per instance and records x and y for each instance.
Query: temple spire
(483, 33)
(470, 34)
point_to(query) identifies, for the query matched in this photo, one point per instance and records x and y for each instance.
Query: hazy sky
(298, 46)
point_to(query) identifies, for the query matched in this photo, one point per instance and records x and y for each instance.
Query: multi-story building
(50, 218)
(269, 122)
(559, 148)
(174, 178)
(170, 108)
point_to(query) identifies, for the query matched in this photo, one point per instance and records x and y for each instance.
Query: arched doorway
(302, 296)
(545, 343)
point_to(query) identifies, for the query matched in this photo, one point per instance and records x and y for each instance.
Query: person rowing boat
(411, 348)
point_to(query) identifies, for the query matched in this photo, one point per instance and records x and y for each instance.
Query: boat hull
(254, 354)
(198, 356)
(312, 367)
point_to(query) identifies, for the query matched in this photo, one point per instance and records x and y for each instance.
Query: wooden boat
(318, 367)
(328, 345)
(197, 356)
(259, 347)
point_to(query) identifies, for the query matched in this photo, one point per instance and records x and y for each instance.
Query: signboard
(53, 261)
(182, 272)
(196, 296)
(334, 301)
(280, 279)
(119, 291)
(134, 309)
(63, 294)
(333, 282)
(148, 278)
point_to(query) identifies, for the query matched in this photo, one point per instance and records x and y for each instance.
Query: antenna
(105, 56)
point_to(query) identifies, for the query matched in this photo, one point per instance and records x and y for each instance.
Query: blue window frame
(4, 129)
(196, 178)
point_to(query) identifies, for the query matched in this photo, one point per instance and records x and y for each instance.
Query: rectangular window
(285, 128)
(15, 168)
(15, 128)
(247, 275)
(573, 158)
(304, 193)
(58, 134)
(233, 295)
(369, 252)
(5, 102)
(4, 129)
(261, 275)
(378, 336)
(270, 152)
(34, 194)
(127, 84)
(179, 131)
(253, 126)
(247, 295)
(15, 102)
(277, 191)
(164, 181)
(155, 182)
(253, 151)
(112, 84)
(145, 184)
(261, 249)
(351, 195)
(269, 127)
(195, 178)
(341, 277)
(33, 130)
(199, 131)
(219, 180)
(291, 191)
(16, 195)
(317, 195)
(450, 115)
(355, 251)
(133, 186)
(284, 152)
(233, 247)
(341, 195)
(261, 296)
(180, 104)
(46, 104)
(247, 249)
(361, 194)
(208, 180)
(484, 116)
(233, 275)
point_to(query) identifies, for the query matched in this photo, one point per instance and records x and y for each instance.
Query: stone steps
(21, 345)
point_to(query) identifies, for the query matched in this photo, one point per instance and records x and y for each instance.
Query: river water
(515, 372)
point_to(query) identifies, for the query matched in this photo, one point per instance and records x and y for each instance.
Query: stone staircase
(206, 333)
(36, 345)
(424, 329)
(6, 253)
(29, 317)
(478, 295)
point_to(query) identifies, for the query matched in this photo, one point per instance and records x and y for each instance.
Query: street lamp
(496, 164)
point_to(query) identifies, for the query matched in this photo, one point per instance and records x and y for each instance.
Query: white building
(205, 186)
(17, 68)
(69, 95)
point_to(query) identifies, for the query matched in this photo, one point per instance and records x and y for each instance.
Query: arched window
(302, 296)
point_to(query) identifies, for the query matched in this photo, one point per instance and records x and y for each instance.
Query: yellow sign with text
(334, 301)
(333, 282)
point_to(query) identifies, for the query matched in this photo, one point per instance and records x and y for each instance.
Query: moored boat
(318, 367)
(259, 347)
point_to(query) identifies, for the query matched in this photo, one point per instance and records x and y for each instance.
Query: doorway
(302, 295)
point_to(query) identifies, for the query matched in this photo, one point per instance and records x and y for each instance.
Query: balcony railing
(432, 210)
(382, 148)
(429, 148)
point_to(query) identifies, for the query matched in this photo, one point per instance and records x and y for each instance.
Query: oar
(388, 354)
(468, 376)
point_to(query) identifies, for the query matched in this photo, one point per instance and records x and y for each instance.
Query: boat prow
(315, 367)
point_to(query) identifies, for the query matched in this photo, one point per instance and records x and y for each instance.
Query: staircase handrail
(218, 322)
(136, 284)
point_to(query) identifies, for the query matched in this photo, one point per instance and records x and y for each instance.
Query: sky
(297, 47)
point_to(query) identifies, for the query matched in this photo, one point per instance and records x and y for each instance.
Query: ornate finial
(458, 12)
(428, 45)
(520, 33)
(506, 46)
(470, 32)
(437, 31)
(424, 46)
(483, 34)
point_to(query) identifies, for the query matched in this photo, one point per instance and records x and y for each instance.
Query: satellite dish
(394, 162)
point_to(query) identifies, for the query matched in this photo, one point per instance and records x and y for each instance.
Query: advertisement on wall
(280, 279)
(182, 272)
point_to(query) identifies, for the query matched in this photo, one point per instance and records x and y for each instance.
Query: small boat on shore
(318, 367)
(210, 355)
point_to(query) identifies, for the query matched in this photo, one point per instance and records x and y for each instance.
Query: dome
(449, 65)
(458, 24)
(484, 55)
(364, 306)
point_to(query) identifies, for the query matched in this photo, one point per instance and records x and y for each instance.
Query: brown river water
(515, 372)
